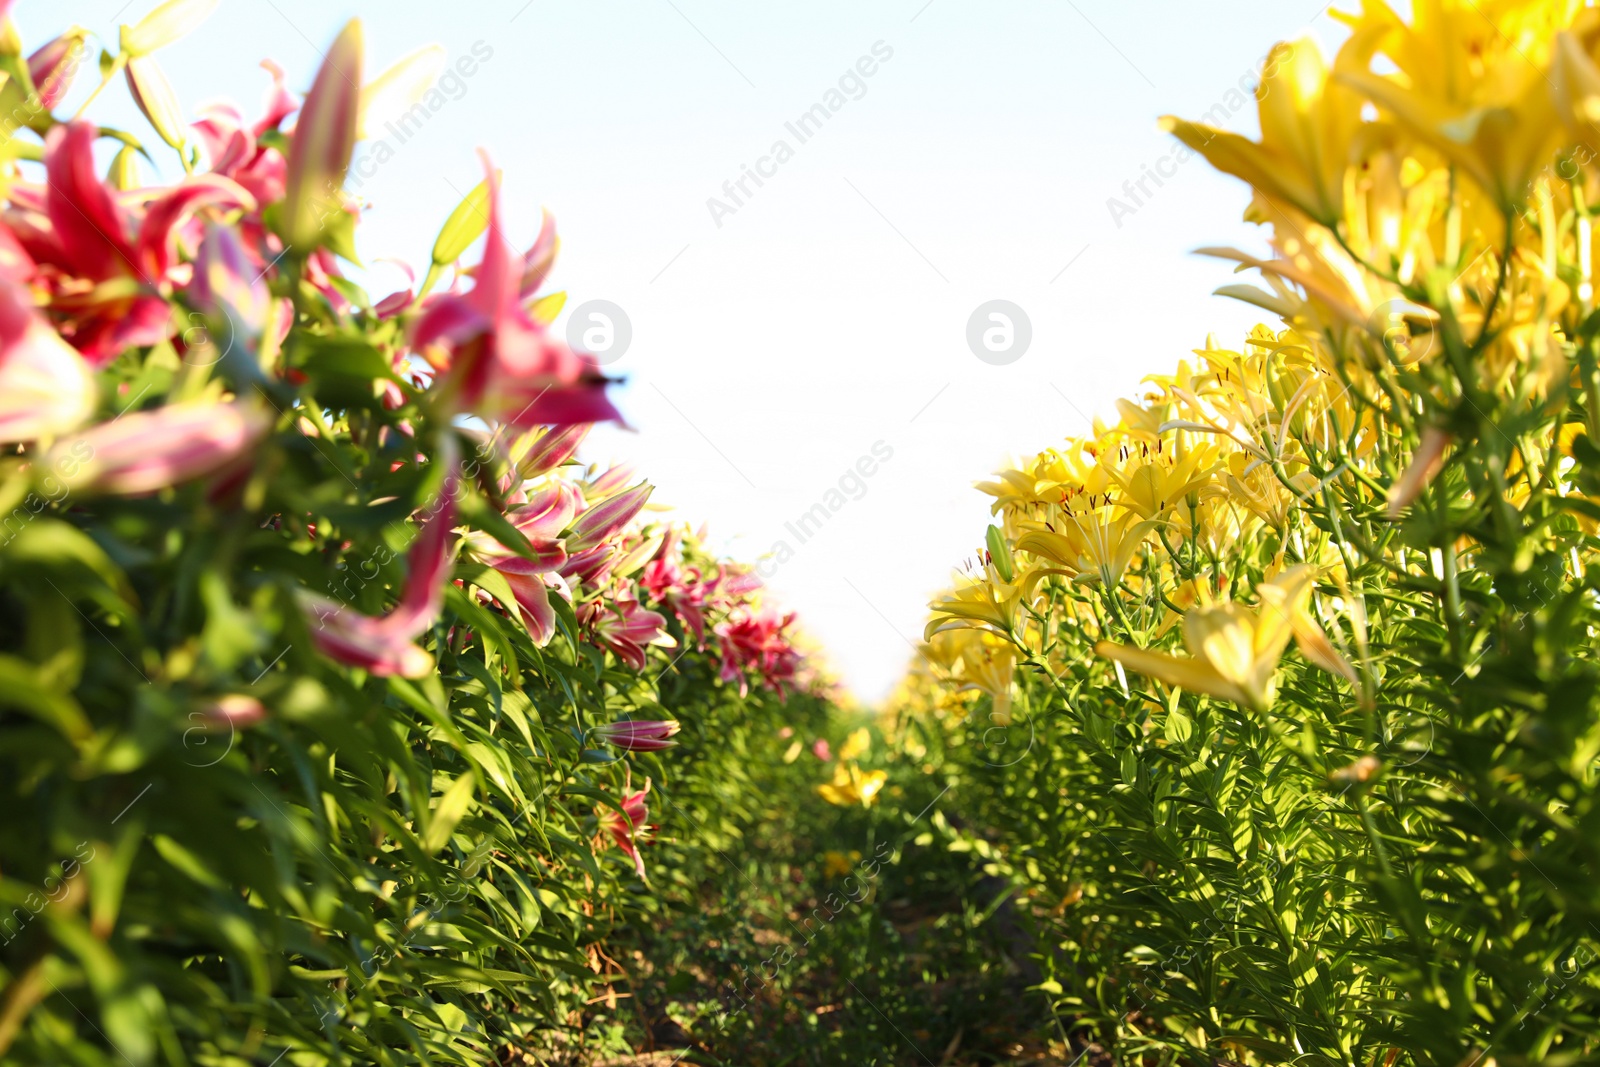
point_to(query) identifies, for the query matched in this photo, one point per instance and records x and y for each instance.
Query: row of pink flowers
(94, 268)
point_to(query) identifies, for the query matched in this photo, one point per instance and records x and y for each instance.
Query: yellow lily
(1234, 650)
(986, 600)
(1090, 542)
(852, 786)
(856, 744)
(1471, 83)
(1307, 125)
(1154, 482)
(988, 665)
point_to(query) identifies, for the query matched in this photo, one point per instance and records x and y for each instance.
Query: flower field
(350, 715)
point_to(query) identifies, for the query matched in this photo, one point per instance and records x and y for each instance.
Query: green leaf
(451, 808)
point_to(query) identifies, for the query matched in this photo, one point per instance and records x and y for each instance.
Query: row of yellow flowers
(1397, 478)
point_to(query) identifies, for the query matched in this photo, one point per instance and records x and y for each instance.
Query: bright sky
(822, 316)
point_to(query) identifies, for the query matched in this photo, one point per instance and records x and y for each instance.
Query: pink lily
(493, 358)
(755, 640)
(679, 588)
(626, 628)
(541, 521)
(235, 149)
(627, 827)
(639, 735)
(45, 385)
(149, 450)
(533, 599)
(228, 286)
(103, 273)
(387, 646)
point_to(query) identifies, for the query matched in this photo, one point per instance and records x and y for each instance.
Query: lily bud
(154, 95)
(150, 450)
(123, 174)
(612, 480)
(388, 96)
(324, 138)
(52, 67)
(601, 521)
(642, 735)
(465, 225)
(551, 449)
(1000, 554)
(169, 22)
(228, 287)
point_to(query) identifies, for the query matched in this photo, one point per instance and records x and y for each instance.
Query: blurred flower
(324, 139)
(1425, 465)
(149, 450)
(821, 749)
(102, 273)
(153, 94)
(836, 864)
(53, 66)
(232, 711)
(1360, 772)
(856, 745)
(45, 385)
(228, 286)
(169, 22)
(390, 94)
(852, 786)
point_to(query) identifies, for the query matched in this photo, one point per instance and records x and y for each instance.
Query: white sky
(829, 312)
